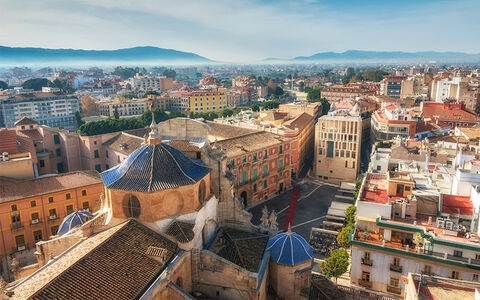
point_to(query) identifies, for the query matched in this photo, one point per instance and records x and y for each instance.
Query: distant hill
(16, 55)
(390, 56)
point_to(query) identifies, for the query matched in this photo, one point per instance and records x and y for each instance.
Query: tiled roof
(243, 248)
(154, 168)
(224, 131)
(124, 143)
(25, 144)
(25, 121)
(112, 264)
(181, 231)
(301, 121)
(183, 145)
(404, 153)
(452, 204)
(14, 189)
(33, 134)
(251, 142)
(449, 112)
(8, 141)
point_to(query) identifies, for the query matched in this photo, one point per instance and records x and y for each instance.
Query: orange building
(31, 210)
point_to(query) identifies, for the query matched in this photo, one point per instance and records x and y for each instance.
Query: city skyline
(243, 32)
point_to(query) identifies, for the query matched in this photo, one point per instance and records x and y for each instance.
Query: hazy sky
(244, 30)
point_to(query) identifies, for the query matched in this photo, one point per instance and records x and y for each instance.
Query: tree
(169, 73)
(271, 104)
(3, 85)
(237, 110)
(226, 113)
(36, 84)
(349, 73)
(255, 107)
(278, 91)
(358, 185)
(325, 106)
(342, 237)
(57, 83)
(155, 93)
(314, 95)
(116, 115)
(78, 119)
(350, 213)
(125, 73)
(336, 264)
(271, 86)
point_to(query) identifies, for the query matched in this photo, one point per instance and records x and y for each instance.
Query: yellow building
(199, 102)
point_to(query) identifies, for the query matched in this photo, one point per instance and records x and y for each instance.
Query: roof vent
(157, 253)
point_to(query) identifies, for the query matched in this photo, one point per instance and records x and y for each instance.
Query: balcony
(367, 262)
(394, 290)
(365, 283)
(16, 225)
(396, 268)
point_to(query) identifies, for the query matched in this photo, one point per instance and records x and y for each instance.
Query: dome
(154, 167)
(289, 248)
(73, 220)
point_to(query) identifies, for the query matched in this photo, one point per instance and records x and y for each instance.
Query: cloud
(242, 30)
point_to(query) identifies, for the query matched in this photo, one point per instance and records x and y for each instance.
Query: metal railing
(396, 268)
(365, 283)
(367, 262)
(394, 290)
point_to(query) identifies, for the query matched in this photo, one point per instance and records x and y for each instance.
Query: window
(15, 218)
(366, 276)
(56, 139)
(457, 253)
(255, 157)
(265, 170)
(281, 149)
(330, 145)
(14, 207)
(98, 168)
(379, 168)
(84, 192)
(52, 213)
(68, 196)
(244, 158)
(95, 154)
(475, 277)
(455, 274)
(131, 206)
(254, 174)
(346, 164)
(265, 184)
(265, 154)
(367, 255)
(427, 269)
(58, 152)
(396, 261)
(394, 282)
(94, 142)
(244, 177)
(86, 205)
(69, 209)
(35, 217)
(107, 166)
(407, 188)
(106, 153)
(232, 163)
(50, 199)
(42, 163)
(54, 229)
(33, 203)
(255, 188)
(20, 241)
(37, 236)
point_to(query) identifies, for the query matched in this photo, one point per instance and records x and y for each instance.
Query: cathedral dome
(73, 220)
(152, 168)
(289, 248)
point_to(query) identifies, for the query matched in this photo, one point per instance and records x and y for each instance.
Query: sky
(244, 30)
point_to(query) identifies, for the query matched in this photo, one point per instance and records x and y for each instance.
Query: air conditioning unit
(20, 248)
(440, 223)
(34, 221)
(52, 217)
(449, 225)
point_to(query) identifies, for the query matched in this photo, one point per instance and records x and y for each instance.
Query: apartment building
(404, 225)
(341, 92)
(198, 101)
(149, 83)
(32, 209)
(391, 86)
(50, 109)
(417, 87)
(125, 108)
(391, 121)
(338, 140)
(296, 108)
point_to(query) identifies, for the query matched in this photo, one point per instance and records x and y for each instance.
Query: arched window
(131, 206)
(201, 192)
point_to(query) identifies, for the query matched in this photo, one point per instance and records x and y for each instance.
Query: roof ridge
(176, 162)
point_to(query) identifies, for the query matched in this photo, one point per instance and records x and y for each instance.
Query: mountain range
(136, 55)
(385, 56)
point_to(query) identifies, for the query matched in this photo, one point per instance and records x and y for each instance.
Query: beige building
(125, 108)
(313, 109)
(18, 166)
(150, 83)
(338, 140)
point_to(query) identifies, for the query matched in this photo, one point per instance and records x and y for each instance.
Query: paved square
(312, 206)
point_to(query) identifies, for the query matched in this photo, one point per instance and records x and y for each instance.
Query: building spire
(154, 137)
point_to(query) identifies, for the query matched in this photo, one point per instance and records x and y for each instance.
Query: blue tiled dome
(154, 168)
(73, 220)
(289, 248)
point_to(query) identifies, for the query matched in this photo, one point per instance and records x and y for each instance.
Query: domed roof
(289, 248)
(73, 220)
(154, 167)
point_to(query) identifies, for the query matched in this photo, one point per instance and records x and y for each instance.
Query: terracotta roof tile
(224, 131)
(8, 141)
